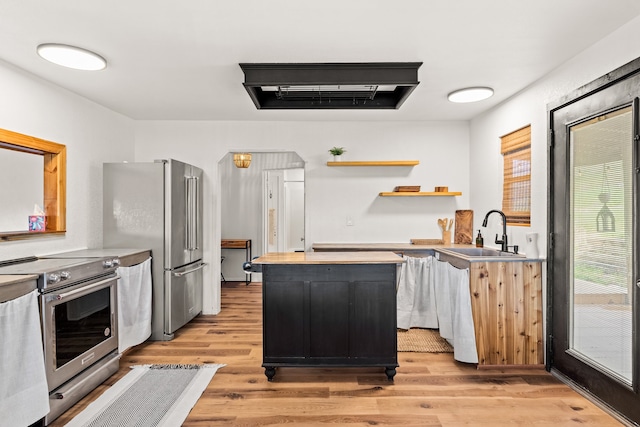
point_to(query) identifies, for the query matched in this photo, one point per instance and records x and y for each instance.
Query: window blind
(516, 187)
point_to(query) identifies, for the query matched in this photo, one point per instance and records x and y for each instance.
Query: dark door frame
(629, 70)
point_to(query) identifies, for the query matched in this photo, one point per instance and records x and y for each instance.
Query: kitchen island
(335, 309)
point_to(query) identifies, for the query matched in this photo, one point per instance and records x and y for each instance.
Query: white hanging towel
(24, 395)
(443, 300)
(464, 336)
(134, 304)
(453, 301)
(416, 302)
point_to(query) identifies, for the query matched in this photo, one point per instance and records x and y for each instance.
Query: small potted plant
(337, 152)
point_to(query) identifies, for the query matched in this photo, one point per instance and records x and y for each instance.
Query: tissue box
(36, 223)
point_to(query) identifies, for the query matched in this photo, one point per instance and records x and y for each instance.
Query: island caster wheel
(391, 372)
(270, 373)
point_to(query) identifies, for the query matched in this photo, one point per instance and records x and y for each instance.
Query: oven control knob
(65, 275)
(108, 263)
(53, 278)
(116, 262)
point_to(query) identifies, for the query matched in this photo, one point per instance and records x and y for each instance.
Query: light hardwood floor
(429, 389)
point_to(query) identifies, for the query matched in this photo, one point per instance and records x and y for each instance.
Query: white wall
(332, 193)
(92, 134)
(530, 107)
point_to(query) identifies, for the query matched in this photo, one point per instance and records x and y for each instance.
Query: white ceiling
(178, 60)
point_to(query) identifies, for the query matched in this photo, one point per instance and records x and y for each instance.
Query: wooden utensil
(446, 232)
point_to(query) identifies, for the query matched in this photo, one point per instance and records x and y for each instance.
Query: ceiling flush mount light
(470, 94)
(71, 57)
(330, 86)
(242, 160)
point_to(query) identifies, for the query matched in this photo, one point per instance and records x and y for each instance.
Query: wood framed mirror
(54, 177)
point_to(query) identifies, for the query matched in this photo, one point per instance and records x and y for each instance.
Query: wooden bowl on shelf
(441, 189)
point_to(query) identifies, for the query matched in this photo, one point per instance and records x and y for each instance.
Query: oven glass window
(81, 324)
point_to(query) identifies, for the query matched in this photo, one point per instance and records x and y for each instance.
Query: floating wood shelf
(419, 193)
(377, 163)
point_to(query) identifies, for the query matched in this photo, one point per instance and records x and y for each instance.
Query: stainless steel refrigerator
(158, 206)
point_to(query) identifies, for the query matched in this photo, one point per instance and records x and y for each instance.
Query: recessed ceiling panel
(372, 85)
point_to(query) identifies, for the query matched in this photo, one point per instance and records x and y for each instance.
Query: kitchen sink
(481, 252)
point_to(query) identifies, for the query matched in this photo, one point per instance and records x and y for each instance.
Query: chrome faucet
(504, 247)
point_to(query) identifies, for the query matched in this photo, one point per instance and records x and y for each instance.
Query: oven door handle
(182, 273)
(86, 289)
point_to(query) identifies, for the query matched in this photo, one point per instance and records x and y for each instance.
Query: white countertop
(16, 285)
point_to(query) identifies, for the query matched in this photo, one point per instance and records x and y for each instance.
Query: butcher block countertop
(393, 247)
(367, 257)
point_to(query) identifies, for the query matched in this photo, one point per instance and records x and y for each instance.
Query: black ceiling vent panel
(360, 86)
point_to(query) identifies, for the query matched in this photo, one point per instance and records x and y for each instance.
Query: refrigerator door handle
(196, 210)
(191, 224)
(187, 207)
(182, 273)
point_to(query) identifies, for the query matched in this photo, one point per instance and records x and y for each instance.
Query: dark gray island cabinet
(329, 310)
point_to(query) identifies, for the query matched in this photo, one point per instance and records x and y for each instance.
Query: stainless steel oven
(78, 311)
(79, 327)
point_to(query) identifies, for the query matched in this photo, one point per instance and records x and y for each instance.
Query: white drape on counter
(455, 317)
(435, 295)
(416, 299)
(134, 305)
(24, 395)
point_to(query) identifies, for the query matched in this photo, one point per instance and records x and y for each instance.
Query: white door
(294, 210)
(273, 215)
(283, 215)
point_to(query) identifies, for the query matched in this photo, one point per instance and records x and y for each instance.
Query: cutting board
(464, 227)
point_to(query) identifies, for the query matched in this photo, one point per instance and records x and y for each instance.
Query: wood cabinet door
(283, 319)
(373, 320)
(328, 319)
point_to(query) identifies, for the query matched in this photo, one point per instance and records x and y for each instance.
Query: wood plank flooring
(429, 389)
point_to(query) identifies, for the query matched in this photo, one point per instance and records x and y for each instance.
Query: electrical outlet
(349, 221)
